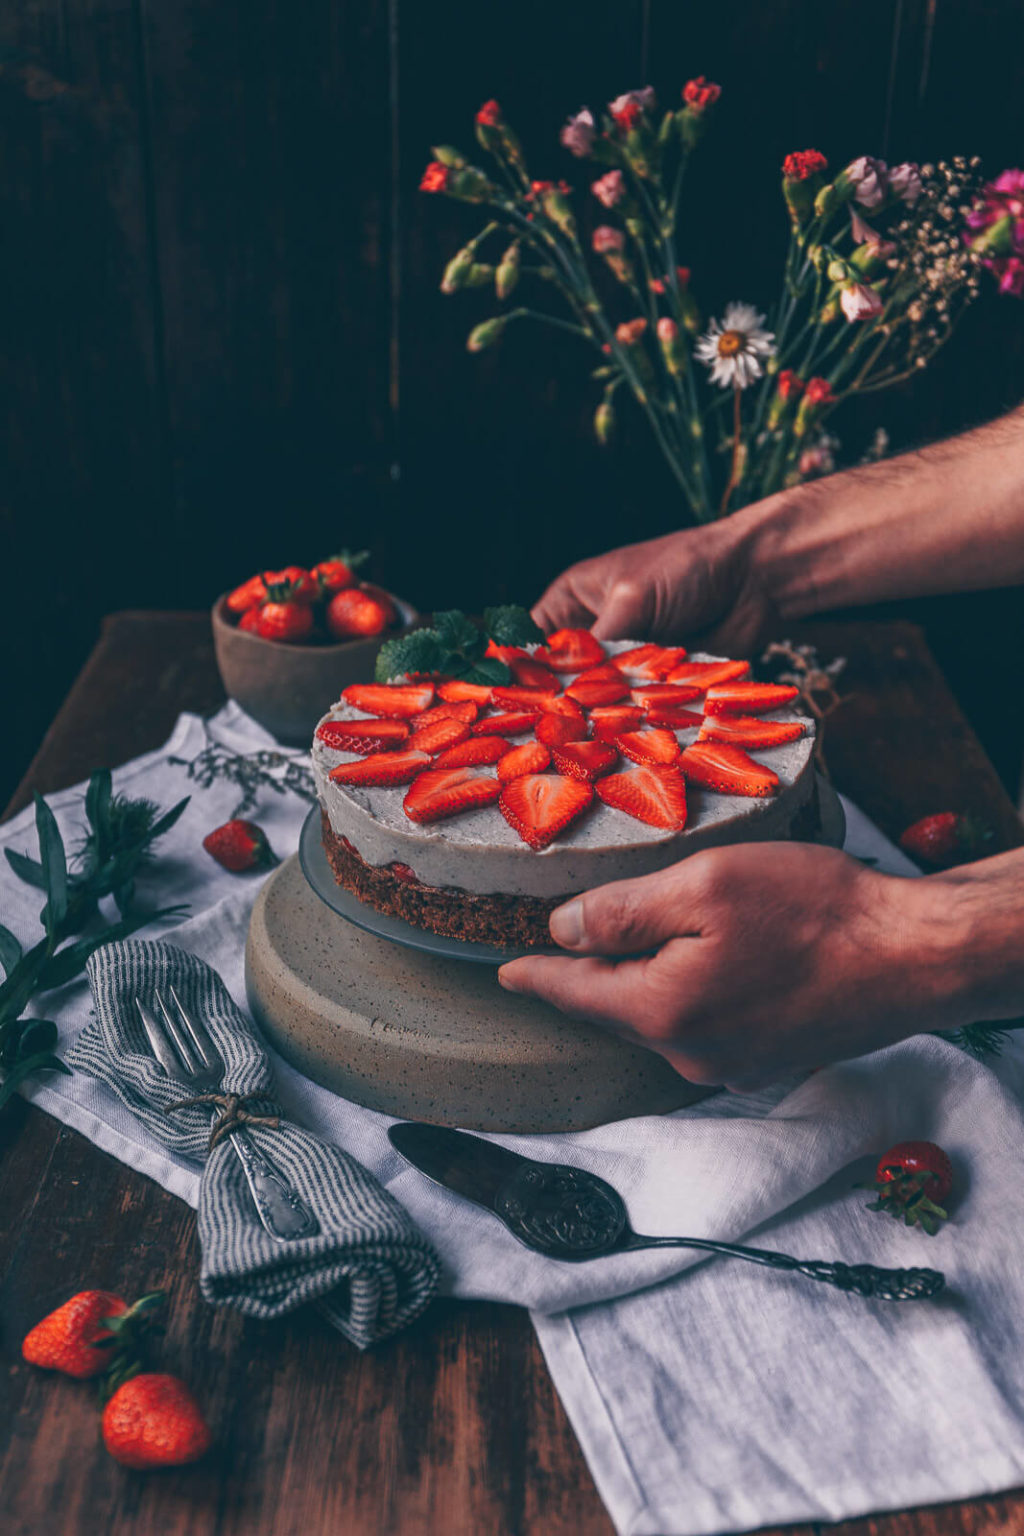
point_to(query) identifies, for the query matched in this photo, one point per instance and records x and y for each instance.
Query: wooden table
(454, 1427)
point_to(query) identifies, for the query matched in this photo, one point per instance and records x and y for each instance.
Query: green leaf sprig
(456, 646)
(117, 844)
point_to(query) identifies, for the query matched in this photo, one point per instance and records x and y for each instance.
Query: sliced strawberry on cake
(531, 757)
(392, 700)
(455, 691)
(382, 768)
(514, 723)
(466, 710)
(530, 672)
(541, 805)
(749, 731)
(652, 663)
(654, 793)
(438, 735)
(476, 751)
(515, 696)
(598, 690)
(748, 698)
(362, 736)
(584, 759)
(571, 650)
(662, 695)
(721, 766)
(553, 730)
(442, 792)
(654, 746)
(610, 720)
(706, 674)
(672, 717)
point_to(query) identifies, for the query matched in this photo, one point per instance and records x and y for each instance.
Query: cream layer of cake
(480, 853)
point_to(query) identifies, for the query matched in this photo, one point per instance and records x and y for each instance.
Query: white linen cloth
(728, 1397)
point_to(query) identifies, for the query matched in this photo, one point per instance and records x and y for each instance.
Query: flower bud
(860, 302)
(869, 180)
(507, 275)
(470, 185)
(801, 182)
(837, 270)
(606, 238)
(447, 155)
(905, 182)
(817, 395)
(604, 421)
(789, 387)
(456, 273)
(630, 333)
(559, 210)
(486, 333)
(480, 275)
(436, 178)
(673, 346)
(609, 189)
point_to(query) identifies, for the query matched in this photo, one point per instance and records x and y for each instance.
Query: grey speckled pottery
(429, 1038)
(288, 687)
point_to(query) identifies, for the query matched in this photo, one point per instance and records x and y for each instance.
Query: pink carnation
(668, 331)
(860, 302)
(869, 179)
(606, 239)
(905, 182)
(610, 189)
(577, 135)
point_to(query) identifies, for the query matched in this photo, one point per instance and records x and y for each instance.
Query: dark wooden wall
(222, 341)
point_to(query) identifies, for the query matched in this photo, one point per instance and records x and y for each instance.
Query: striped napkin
(369, 1269)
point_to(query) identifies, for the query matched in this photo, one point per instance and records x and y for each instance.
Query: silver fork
(186, 1052)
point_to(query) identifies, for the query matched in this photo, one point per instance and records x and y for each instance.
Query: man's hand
(699, 585)
(754, 961)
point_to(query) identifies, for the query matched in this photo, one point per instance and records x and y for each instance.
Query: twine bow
(235, 1113)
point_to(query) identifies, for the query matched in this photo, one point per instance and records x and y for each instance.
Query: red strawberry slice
(748, 731)
(514, 724)
(653, 662)
(362, 736)
(438, 735)
(674, 718)
(748, 698)
(553, 730)
(393, 700)
(610, 720)
(443, 792)
(571, 650)
(506, 653)
(654, 746)
(478, 749)
(531, 757)
(599, 691)
(584, 759)
(708, 674)
(382, 768)
(455, 691)
(531, 673)
(664, 694)
(541, 805)
(721, 766)
(466, 710)
(516, 697)
(654, 792)
(607, 672)
(558, 704)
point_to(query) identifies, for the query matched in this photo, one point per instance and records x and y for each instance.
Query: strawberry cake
(473, 810)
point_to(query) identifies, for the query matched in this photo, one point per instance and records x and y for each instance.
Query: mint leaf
(419, 652)
(457, 633)
(489, 671)
(511, 625)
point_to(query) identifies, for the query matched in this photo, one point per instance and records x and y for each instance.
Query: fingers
(625, 613)
(560, 608)
(599, 991)
(628, 917)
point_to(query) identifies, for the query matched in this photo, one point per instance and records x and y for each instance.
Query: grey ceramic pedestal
(429, 1038)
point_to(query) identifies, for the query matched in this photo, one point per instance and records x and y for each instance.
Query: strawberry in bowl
(287, 638)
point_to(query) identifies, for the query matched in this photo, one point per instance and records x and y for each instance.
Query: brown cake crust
(508, 922)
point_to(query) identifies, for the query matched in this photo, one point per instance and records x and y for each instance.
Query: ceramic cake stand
(417, 1026)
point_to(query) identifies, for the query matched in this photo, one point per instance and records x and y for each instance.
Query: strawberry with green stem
(913, 1181)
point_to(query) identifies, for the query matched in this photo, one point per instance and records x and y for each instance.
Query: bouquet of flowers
(881, 261)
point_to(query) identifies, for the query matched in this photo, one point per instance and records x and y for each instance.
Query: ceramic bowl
(288, 687)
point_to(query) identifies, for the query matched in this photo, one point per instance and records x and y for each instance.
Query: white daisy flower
(734, 346)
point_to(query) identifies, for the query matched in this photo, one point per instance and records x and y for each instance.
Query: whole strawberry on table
(321, 605)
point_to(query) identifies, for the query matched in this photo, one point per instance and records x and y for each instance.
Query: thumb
(627, 917)
(625, 613)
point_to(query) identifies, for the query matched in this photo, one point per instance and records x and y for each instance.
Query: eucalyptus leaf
(43, 1062)
(55, 866)
(37, 1035)
(10, 950)
(23, 980)
(29, 870)
(97, 810)
(166, 822)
